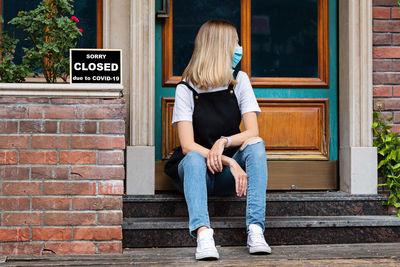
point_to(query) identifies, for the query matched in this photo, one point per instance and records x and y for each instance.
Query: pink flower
(81, 30)
(75, 19)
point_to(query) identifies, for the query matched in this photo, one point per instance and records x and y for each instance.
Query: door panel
(298, 123)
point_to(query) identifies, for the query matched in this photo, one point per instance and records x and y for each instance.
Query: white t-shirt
(184, 105)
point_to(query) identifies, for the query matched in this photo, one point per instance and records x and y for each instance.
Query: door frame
(357, 156)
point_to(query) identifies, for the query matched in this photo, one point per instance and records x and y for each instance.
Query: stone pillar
(141, 152)
(357, 156)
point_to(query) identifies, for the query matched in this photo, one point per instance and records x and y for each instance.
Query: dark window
(85, 11)
(189, 15)
(284, 39)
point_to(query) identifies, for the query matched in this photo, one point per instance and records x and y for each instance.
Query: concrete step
(280, 230)
(278, 204)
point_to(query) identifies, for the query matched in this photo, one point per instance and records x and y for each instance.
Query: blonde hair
(211, 62)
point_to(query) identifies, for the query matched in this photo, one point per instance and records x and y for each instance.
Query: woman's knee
(194, 159)
(254, 145)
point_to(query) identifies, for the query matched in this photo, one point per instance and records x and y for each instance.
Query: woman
(215, 157)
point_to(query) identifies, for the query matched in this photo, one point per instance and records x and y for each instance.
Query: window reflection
(284, 39)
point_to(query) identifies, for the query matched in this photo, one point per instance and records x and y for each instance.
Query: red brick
(69, 188)
(12, 112)
(98, 233)
(69, 218)
(50, 172)
(12, 100)
(38, 126)
(22, 188)
(14, 141)
(74, 101)
(102, 112)
(396, 65)
(396, 117)
(14, 234)
(110, 248)
(381, 13)
(78, 157)
(382, 65)
(97, 203)
(14, 173)
(23, 218)
(51, 203)
(388, 104)
(52, 112)
(97, 172)
(386, 78)
(71, 247)
(112, 127)
(396, 91)
(14, 203)
(386, 26)
(7, 127)
(86, 127)
(50, 233)
(50, 141)
(38, 157)
(111, 188)
(395, 128)
(109, 218)
(98, 142)
(396, 39)
(395, 13)
(113, 101)
(381, 91)
(382, 39)
(386, 52)
(111, 157)
(390, 3)
(8, 157)
(21, 248)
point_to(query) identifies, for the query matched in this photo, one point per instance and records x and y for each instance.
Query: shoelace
(258, 238)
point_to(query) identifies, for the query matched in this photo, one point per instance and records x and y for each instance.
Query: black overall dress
(215, 114)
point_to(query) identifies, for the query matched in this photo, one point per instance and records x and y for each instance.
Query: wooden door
(290, 55)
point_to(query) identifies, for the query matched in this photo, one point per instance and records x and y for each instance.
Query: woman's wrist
(227, 141)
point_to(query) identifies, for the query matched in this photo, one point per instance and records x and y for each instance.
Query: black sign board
(95, 66)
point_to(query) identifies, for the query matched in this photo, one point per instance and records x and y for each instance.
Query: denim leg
(193, 171)
(254, 160)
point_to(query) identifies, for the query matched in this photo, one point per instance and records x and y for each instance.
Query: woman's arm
(250, 129)
(186, 138)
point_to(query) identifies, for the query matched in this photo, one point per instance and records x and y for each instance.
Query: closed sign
(95, 66)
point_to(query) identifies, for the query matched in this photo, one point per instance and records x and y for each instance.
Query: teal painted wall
(331, 92)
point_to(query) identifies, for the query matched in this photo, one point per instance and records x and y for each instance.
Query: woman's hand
(240, 178)
(214, 162)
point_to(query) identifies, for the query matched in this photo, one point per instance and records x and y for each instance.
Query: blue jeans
(195, 181)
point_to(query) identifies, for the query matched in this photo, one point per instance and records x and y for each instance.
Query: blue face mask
(237, 56)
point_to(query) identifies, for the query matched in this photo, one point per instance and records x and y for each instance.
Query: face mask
(237, 56)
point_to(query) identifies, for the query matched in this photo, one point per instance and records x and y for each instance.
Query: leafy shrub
(9, 72)
(52, 34)
(388, 145)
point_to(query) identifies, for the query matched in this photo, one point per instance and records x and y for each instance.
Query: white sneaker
(256, 241)
(206, 246)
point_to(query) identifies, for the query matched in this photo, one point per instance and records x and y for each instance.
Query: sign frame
(95, 50)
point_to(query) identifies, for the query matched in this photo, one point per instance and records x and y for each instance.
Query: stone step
(280, 230)
(278, 204)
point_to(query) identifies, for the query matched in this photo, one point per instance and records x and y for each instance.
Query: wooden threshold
(282, 175)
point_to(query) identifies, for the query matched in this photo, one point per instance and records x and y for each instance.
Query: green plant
(52, 34)
(10, 72)
(388, 145)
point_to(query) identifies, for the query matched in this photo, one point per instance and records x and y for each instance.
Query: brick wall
(61, 175)
(386, 54)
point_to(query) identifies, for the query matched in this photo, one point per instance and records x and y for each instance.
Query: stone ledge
(61, 90)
